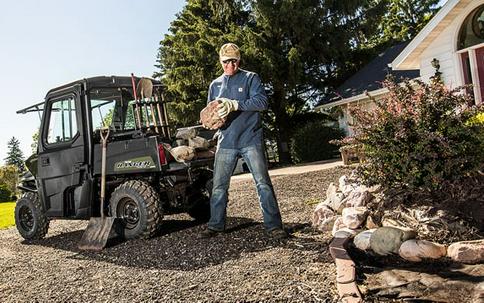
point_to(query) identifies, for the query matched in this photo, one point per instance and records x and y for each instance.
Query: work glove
(226, 106)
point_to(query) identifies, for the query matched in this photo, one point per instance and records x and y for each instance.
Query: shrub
(5, 193)
(311, 142)
(419, 136)
(9, 177)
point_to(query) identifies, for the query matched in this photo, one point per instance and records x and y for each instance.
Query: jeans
(225, 161)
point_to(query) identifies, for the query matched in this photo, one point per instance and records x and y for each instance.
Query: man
(242, 98)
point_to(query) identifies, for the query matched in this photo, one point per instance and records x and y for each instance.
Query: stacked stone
(189, 145)
(346, 215)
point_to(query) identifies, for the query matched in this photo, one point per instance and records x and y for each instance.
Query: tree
(9, 177)
(296, 47)
(301, 48)
(35, 142)
(404, 19)
(187, 57)
(5, 193)
(14, 155)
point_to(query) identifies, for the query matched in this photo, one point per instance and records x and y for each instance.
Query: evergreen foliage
(14, 155)
(301, 49)
(5, 193)
(188, 56)
(35, 142)
(9, 177)
(404, 19)
(311, 142)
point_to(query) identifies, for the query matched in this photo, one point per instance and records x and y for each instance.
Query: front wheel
(30, 218)
(138, 205)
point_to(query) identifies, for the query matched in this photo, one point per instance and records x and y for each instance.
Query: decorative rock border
(345, 271)
(345, 214)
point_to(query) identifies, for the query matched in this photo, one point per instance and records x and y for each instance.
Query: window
(471, 52)
(62, 121)
(472, 30)
(112, 107)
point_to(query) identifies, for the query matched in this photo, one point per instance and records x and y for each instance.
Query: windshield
(112, 107)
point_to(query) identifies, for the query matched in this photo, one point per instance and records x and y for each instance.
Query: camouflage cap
(229, 51)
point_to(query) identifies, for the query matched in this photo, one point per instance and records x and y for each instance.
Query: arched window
(471, 51)
(472, 30)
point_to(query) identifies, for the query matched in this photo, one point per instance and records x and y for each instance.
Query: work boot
(278, 234)
(209, 233)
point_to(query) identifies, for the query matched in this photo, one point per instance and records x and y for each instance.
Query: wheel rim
(128, 210)
(26, 218)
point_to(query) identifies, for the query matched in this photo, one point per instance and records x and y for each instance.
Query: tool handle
(153, 115)
(104, 139)
(137, 107)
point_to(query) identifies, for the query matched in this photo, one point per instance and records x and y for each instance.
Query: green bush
(311, 142)
(5, 193)
(419, 136)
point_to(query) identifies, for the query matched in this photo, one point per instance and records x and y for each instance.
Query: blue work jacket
(244, 126)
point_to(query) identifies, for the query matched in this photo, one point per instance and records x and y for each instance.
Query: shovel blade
(96, 234)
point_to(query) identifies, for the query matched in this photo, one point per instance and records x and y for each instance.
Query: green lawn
(6, 214)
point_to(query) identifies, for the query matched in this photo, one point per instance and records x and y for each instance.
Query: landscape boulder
(362, 240)
(370, 222)
(470, 252)
(416, 250)
(323, 217)
(209, 116)
(360, 196)
(338, 224)
(354, 217)
(335, 201)
(387, 240)
(345, 233)
(345, 186)
(332, 189)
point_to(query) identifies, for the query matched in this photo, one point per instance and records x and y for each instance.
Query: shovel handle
(137, 106)
(104, 138)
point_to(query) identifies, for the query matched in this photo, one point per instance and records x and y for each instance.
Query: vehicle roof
(102, 81)
(99, 81)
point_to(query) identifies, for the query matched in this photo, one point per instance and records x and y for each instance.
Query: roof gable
(371, 76)
(409, 58)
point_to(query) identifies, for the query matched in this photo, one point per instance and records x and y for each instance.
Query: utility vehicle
(143, 182)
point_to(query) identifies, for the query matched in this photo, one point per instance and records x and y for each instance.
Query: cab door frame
(62, 161)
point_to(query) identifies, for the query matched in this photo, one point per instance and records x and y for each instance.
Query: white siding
(443, 48)
(346, 121)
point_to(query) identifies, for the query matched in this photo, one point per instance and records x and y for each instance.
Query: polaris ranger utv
(142, 181)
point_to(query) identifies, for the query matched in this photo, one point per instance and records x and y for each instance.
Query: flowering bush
(419, 136)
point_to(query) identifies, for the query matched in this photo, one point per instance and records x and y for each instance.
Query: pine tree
(404, 19)
(35, 142)
(14, 155)
(187, 57)
(301, 48)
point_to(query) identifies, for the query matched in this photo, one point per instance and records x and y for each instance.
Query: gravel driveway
(241, 265)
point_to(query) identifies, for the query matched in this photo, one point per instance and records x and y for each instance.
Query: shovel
(97, 232)
(145, 89)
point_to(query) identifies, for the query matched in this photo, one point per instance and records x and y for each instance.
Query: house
(366, 85)
(452, 43)
(455, 39)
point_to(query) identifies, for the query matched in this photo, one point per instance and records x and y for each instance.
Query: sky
(48, 43)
